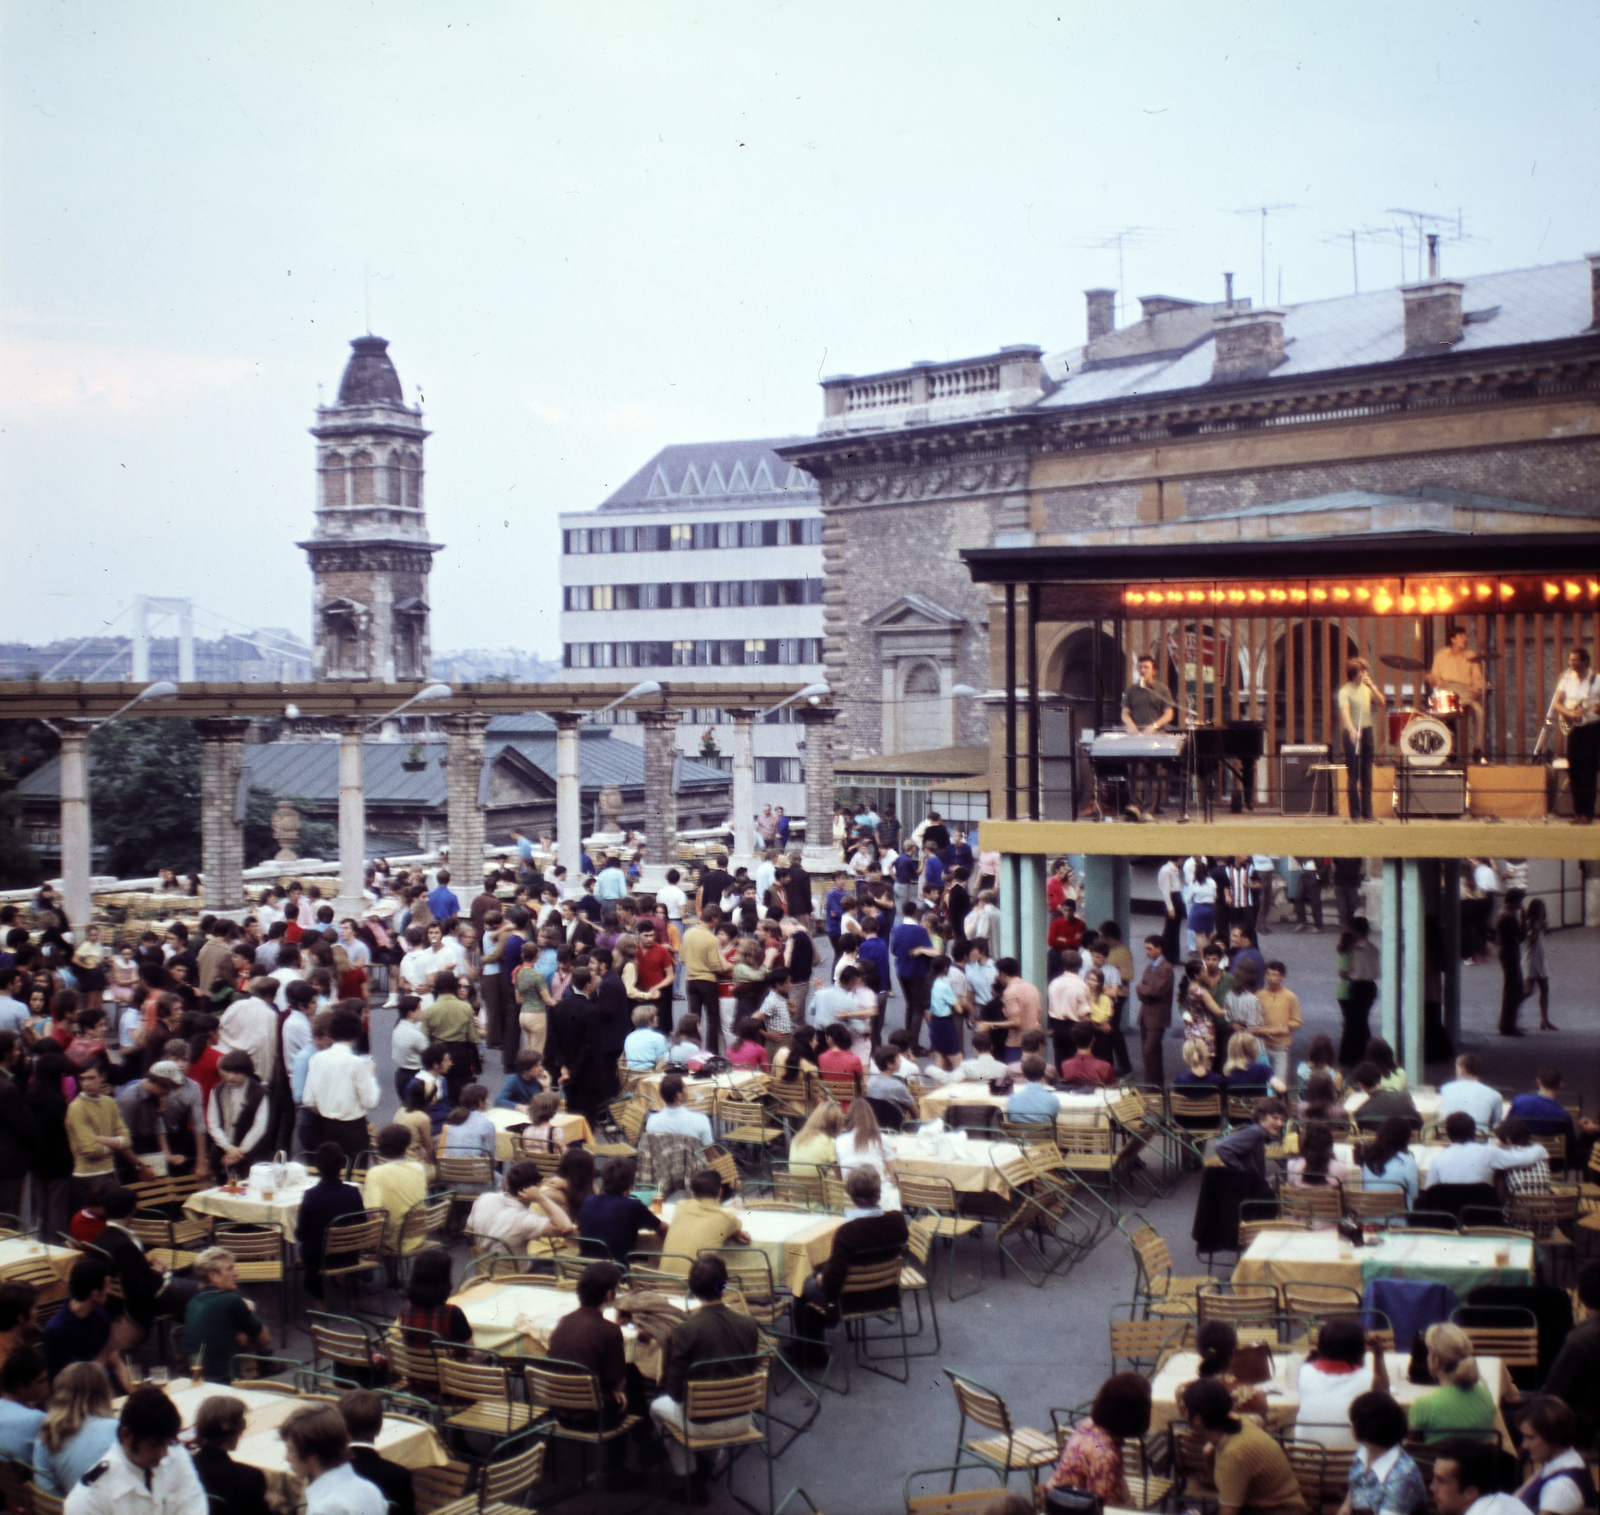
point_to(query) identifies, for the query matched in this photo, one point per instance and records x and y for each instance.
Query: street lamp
(162, 689)
(967, 692)
(811, 693)
(640, 691)
(426, 693)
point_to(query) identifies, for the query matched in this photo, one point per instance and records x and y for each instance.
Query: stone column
(1107, 888)
(1390, 955)
(1033, 921)
(569, 798)
(744, 788)
(221, 826)
(1011, 906)
(818, 720)
(352, 817)
(76, 860)
(1450, 943)
(660, 803)
(465, 784)
(1413, 970)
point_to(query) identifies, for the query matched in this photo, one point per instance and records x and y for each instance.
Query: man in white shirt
(519, 1213)
(318, 1448)
(979, 970)
(341, 1087)
(359, 953)
(980, 1066)
(1578, 705)
(1467, 1091)
(146, 1472)
(670, 898)
(766, 876)
(611, 883)
(251, 1025)
(677, 1117)
(1467, 1161)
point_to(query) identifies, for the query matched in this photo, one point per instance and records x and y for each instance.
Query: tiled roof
(1500, 310)
(715, 473)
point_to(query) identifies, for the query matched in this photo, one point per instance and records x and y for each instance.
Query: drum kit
(1426, 734)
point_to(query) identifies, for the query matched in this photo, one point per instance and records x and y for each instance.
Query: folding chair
(936, 1198)
(344, 1343)
(555, 1389)
(1031, 1218)
(711, 1400)
(476, 1396)
(261, 1253)
(1009, 1448)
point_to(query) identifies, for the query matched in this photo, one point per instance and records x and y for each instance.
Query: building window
(779, 770)
(755, 651)
(602, 598)
(682, 653)
(576, 541)
(682, 538)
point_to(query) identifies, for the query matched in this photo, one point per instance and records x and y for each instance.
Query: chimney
(1433, 316)
(1594, 291)
(1249, 344)
(1227, 288)
(1433, 255)
(1102, 312)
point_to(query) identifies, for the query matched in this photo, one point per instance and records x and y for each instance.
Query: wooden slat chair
(1189, 1462)
(1555, 1150)
(936, 1198)
(49, 1286)
(841, 1088)
(834, 1195)
(645, 1272)
(1031, 1215)
(440, 1489)
(348, 1347)
(1319, 1301)
(540, 1153)
(628, 1116)
(1009, 1448)
(1323, 1203)
(1252, 1309)
(709, 1400)
(42, 1502)
(362, 1164)
(419, 1226)
(261, 1252)
(1161, 1291)
(1144, 1345)
(477, 1396)
(794, 1189)
(272, 1375)
(955, 1502)
(1508, 1332)
(354, 1246)
(916, 1279)
(1550, 1219)
(464, 1177)
(1027, 1133)
(1373, 1204)
(502, 1483)
(865, 1280)
(413, 1358)
(745, 1123)
(191, 1233)
(15, 1481)
(1309, 1462)
(1204, 1111)
(157, 1230)
(554, 1388)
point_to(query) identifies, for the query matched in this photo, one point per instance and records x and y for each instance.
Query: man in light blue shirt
(1033, 1101)
(1467, 1092)
(24, 1387)
(303, 1119)
(826, 1005)
(612, 882)
(677, 1117)
(644, 1047)
(13, 1013)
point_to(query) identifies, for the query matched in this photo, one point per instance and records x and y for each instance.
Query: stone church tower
(370, 554)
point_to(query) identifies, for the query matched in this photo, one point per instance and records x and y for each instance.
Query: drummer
(1458, 671)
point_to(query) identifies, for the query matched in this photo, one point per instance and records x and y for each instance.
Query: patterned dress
(1092, 1460)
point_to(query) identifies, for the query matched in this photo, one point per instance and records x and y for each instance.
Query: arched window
(393, 487)
(413, 480)
(334, 494)
(921, 710)
(361, 467)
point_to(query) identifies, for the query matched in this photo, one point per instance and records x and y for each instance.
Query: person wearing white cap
(140, 1101)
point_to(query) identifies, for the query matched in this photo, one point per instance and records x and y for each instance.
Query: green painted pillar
(1390, 955)
(1034, 924)
(1107, 888)
(1413, 969)
(1010, 905)
(1450, 944)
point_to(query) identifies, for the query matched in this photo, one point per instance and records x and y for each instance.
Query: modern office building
(708, 560)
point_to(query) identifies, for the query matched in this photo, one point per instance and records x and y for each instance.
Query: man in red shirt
(1083, 1067)
(1055, 889)
(656, 966)
(292, 929)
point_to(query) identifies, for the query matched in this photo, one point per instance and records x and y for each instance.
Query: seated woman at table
(1198, 1075)
(468, 1131)
(1391, 1075)
(218, 1426)
(1316, 1167)
(573, 1180)
(1387, 1163)
(1217, 1342)
(1462, 1404)
(1246, 1068)
(814, 1145)
(1092, 1456)
(1319, 1101)
(78, 1428)
(1330, 1380)
(541, 1134)
(1383, 1478)
(860, 1144)
(1561, 1484)
(518, 1214)
(800, 1056)
(1320, 1058)
(427, 1310)
(748, 1047)
(838, 1058)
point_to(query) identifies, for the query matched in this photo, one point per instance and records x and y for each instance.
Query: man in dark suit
(1154, 993)
(869, 1234)
(363, 1418)
(147, 1291)
(571, 1049)
(613, 1020)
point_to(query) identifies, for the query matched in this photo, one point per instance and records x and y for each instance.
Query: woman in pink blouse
(1092, 1457)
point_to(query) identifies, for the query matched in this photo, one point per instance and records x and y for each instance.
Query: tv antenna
(1444, 228)
(1126, 236)
(1264, 211)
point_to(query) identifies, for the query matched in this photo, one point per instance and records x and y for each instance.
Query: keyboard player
(1148, 707)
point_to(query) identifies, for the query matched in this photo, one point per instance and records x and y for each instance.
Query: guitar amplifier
(1560, 789)
(1304, 791)
(1431, 793)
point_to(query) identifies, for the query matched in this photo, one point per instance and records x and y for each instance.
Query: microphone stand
(1544, 730)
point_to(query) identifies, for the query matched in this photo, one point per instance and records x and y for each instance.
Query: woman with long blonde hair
(814, 1144)
(1462, 1404)
(861, 1145)
(78, 1428)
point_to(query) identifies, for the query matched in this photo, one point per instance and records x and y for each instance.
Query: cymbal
(1404, 664)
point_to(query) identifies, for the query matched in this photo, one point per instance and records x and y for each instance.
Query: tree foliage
(144, 796)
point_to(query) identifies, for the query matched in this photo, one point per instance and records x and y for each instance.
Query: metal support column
(569, 801)
(1413, 970)
(1011, 905)
(1450, 944)
(1011, 703)
(1390, 955)
(77, 895)
(1034, 786)
(1033, 922)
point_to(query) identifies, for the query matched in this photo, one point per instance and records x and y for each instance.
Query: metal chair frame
(262, 1253)
(553, 1385)
(709, 1399)
(936, 1197)
(1024, 1450)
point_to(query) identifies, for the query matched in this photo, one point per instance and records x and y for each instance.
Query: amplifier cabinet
(1436, 793)
(1304, 789)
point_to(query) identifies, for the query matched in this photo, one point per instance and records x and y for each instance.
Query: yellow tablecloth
(1283, 1391)
(795, 1241)
(19, 1251)
(517, 1319)
(505, 1147)
(283, 1209)
(697, 1090)
(1076, 1109)
(1314, 1257)
(971, 1166)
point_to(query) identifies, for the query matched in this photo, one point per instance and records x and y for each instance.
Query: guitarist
(1578, 708)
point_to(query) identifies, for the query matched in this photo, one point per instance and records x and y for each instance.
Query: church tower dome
(370, 554)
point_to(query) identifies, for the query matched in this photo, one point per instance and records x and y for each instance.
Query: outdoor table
(505, 1146)
(282, 1210)
(973, 1167)
(1283, 1388)
(1317, 1257)
(795, 1241)
(19, 1251)
(401, 1441)
(1081, 1109)
(697, 1089)
(516, 1316)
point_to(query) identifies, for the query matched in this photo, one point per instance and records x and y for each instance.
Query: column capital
(568, 720)
(742, 714)
(222, 728)
(466, 723)
(660, 718)
(817, 715)
(352, 725)
(78, 728)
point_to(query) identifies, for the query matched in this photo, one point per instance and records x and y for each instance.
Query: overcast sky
(593, 230)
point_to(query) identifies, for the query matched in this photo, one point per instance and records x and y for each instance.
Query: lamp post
(76, 842)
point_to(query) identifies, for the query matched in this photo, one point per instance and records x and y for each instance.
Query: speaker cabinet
(1432, 793)
(1305, 790)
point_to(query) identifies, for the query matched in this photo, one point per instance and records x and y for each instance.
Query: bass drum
(1426, 742)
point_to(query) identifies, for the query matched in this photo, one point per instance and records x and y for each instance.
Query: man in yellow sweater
(96, 1132)
(703, 966)
(1280, 1019)
(395, 1185)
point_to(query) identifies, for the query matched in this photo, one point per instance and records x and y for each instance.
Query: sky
(592, 231)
